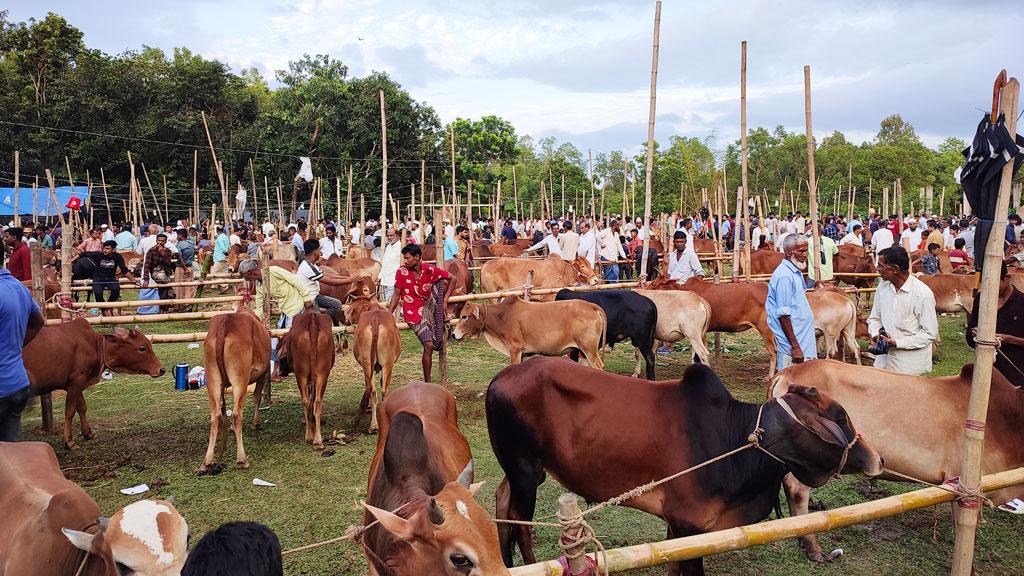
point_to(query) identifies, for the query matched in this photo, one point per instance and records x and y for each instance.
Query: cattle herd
(598, 434)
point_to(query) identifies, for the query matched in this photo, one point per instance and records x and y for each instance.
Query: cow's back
(512, 273)
(239, 344)
(37, 501)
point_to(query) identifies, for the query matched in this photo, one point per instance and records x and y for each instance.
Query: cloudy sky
(580, 70)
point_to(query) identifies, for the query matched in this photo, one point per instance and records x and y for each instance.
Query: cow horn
(466, 478)
(434, 513)
(103, 521)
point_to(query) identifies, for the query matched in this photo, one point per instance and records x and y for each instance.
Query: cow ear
(120, 332)
(476, 312)
(475, 487)
(392, 522)
(81, 540)
(466, 477)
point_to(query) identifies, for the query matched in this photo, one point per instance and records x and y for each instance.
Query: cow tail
(771, 385)
(604, 334)
(219, 336)
(314, 333)
(375, 327)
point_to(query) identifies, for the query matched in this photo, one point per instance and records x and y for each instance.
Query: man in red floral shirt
(422, 290)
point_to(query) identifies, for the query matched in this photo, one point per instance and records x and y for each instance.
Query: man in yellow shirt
(288, 291)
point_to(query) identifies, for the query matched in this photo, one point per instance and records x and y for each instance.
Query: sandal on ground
(1015, 506)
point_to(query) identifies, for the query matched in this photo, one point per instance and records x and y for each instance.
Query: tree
(41, 50)
(894, 131)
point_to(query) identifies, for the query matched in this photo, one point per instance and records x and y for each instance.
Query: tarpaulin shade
(44, 203)
(981, 173)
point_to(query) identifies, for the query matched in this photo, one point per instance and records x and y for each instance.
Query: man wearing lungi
(423, 291)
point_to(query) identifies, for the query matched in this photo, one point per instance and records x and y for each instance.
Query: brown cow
(72, 357)
(463, 279)
(704, 246)
(763, 262)
(915, 422)
(510, 250)
(735, 307)
(571, 421)
(514, 328)
(376, 348)
(853, 259)
(835, 316)
(953, 292)
(308, 350)
(680, 315)
(420, 493)
(236, 352)
(53, 528)
(553, 272)
(51, 287)
(945, 265)
(362, 289)
(355, 267)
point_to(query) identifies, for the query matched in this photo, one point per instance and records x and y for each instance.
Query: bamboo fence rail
(690, 547)
(147, 318)
(137, 303)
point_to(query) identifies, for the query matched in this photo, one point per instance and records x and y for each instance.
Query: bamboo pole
(689, 547)
(84, 285)
(968, 510)
(147, 318)
(17, 187)
(736, 235)
(255, 196)
(134, 303)
(384, 145)
(348, 210)
(515, 192)
(195, 184)
(812, 186)
(39, 295)
(650, 138)
(423, 208)
(216, 164)
(743, 154)
(106, 201)
(451, 132)
(442, 355)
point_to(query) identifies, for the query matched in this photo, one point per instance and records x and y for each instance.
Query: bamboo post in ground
(650, 139)
(17, 188)
(106, 201)
(868, 213)
(384, 169)
(743, 155)
(39, 295)
(455, 215)
(569, 508)
(736, 236)
(942, 201)
(515, 191)
(213, 152)
(255, 196)
(362, 211)
(423, 208)
(968, 509)
(195, 184)
(590, 176)
(348, 205)
(812, 187)
(442, 354)
(885, 202)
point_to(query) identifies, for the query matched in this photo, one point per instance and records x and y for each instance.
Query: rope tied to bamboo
(576, 534)
(965, 496)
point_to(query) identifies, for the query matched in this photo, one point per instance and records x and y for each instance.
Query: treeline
(60, 98)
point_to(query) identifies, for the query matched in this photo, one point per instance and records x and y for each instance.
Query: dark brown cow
(72, 357)
(236, 352)
(735, 307)
(953, 292)
(376, 348)
(889, 410)
(853, 259)
(53, 528)
(308, 350)
(463, 279)
(420, 493)
(592, 431)
(553, 272)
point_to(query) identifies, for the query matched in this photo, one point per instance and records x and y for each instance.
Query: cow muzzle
(160, 373)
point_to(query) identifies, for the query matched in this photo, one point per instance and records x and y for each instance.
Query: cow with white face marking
(53, 528)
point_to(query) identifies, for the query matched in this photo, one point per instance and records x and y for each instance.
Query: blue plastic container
(181, 377)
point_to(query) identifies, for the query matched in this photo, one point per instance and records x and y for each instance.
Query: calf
(835, 316)
(73, 356)
(53, 528)
(681, 315)
(463, 279)
(377, 347)
(236, 549)
(420, 493)
(629, 316)
(309, 350)
(547, 415)
(515, 328)
(236, 352)
(915, 422)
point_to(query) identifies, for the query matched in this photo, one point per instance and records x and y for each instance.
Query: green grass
(148, 432)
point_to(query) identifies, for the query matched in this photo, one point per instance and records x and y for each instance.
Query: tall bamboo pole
(743, 154)
(423, 208)
(348, 211)
(255, 194)
(442, 356)
(515, 192)
(195, 185)
(384, 145)
(17, 187)
(650, 139)
(812, 186)
(968, 509)
(590, 176)
(455, 214)
(216, 163)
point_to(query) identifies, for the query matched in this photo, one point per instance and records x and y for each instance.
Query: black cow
(634, 431)
(236, 549)
(630, 317)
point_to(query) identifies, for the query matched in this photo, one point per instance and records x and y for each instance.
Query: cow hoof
(243, 464)
(318, 446)
(87, 435)
(71, 445)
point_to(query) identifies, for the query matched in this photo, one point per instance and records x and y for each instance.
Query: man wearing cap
(108, 234)
(451, 246)
(288, 290)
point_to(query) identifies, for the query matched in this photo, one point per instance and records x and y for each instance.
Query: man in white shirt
(904, 308)
(268, 227)
(609, 249)
(330, 244)
(550, 242)
(312, 275)
(391, 261)
(588, 243)
(108, 234)
(355, 235)
(799, 223)
(568, 241)
(881, 239)
(449, 230)
(682, 261)
(968, 236)
(234, 238)
(910, 239)
(148, 241)
(855, 236)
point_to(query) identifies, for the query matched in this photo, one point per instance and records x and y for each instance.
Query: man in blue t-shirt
(20, 321)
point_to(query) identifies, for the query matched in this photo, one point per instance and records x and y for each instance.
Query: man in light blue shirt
(789, 314)
(20, 321)
(220, 252)
(125, 239)
(451, 247)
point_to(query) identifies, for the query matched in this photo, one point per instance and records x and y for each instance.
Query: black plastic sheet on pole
(991, 150)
